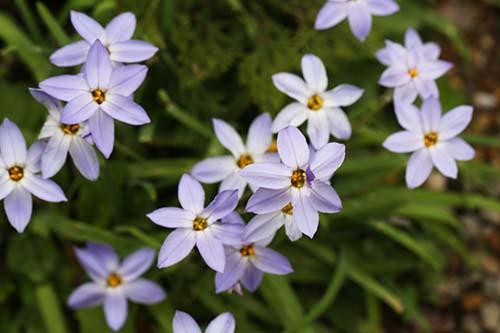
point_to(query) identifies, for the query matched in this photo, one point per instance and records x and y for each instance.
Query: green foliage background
(379, 256)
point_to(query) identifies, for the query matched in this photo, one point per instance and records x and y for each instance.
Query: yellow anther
(98, 96)
(315, 102)
(430, 139)
(16, 173)
(200, 223)
(299, 178)
(247, 250)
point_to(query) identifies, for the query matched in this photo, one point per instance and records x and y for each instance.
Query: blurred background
(393, 260)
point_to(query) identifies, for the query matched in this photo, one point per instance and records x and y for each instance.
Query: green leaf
(52, 24)
(50, 309)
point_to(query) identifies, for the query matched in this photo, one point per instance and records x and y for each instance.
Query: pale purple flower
(114, 282)
(116, 37)
(63, 139)
(247, 261)
(266, 225)
(300, 180)
(413, 41)
(432, 139)
(100, 95)
(358, 12)
(184, 323)
(196, 225)
(412, 73)
(19, 176)
(227, 168)
(321, 108)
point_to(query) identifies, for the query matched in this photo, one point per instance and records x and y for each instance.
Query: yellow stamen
(244, 160)
(288, 209)
(114, 280)
(413, 72)
(16, 173)
(299, 178)
(430, 139)
(315, 102)
(70, 129)
(273, 147)
(98, 96)
(247, 250)
(200, 223)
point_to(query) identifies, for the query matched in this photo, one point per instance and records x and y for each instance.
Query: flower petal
(12, 144)
(409, 118)
(419, 168)
(88, 294)
(135, 264)
(120, 28)
(426, 88)
(318, 129)
(403, 142)
(176, 247)
(293, 86)
(223, 323)
(454, 122)
(144, 291)
(305, 215)
(327, 160)
(412, 39)
(102, 128)
(268, 200)
(211, 249)
(125, 80)
(172, 217)
(259, 134)
(360, 20)
(235, 267)
(105, 254)
(125, 110)
(52, 104)
(268, 175)
(382, 7)
(252, 277)
(6, 184)
(293, 114)
(72, 54)
(35, 152)
(214, 169)
(431, 51)
(228, 233)
(324, 198)
(132, 51)
(18, 206)
(434, 69)
(330, 15)
(86, 26)
(405, 94)
(55, 154)
(459, 149)
(293, 148)
(234, 182)
(223, 204)
(228, 137)
(115, 309)
(270, 261)
(184, 323)
(314, 72)
(263, 226)
(443, 161)
(394, 76)
(98, 66)
(44, 189)
(342, 95)
(431, 114)
(191, 194)
(65, 87)
(340, 127)
(93, 264)
(292, 230)
(85, 158)
(79, 109)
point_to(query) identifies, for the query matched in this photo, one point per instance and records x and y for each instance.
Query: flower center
(288, 209)
(413, 72)
(247, 250)
(273, 147)
(16, 173)
(114, 280)
(98, 96)
(299, 178)
(70, 129)
(315, 102)
(244, 160)
(430, 139)
(200, 223)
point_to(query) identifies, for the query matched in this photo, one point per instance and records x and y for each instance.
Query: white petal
(229, 138)
(406, 93)
(18, 206)
(459, 149)
(318, 129)
(443, 161)
(85, 158)
(115, 309)
(340, 127)
(191, 194)
(12, 145)
(419, 168)
(223, 323)
(211, 249)
(260, 135)
(44, 189)
(214, 169)
(342, 95)
(409, 118)
(293, 86)
(327, 160)
(293, 114)
(184, 323)
(454, 122)
(330, 15)
(360, 20)
(431, 115)
(176, 247)
(404, 142)
(314, 72)
(293, 148)
(55, 154)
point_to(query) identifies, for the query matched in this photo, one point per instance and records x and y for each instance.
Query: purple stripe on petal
(293, 86)
(340, 127)
(263, 226)
(35, 153)
(360, 20)
(259, 134)
(404, 142)
(314, 72)
(92, 264)
(228, 137)
(98, 66)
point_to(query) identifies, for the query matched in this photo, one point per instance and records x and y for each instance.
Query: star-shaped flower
(321, 108)
(432, 138)
(113, 282)
(116, 37)
(227, 168)
(63, 139)
(411, 73)
(196, 225)
(358, 12)
(100, 95)
(301, 181)
(19, 178)
(184, 323)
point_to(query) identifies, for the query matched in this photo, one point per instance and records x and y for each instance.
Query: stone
(490, 315)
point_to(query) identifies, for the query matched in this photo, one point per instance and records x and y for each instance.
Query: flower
(411, 73)
(247, 261)
(320, 107)
(116, 37)
(428, 51)
(100, 95)
(184, 323)
(227, 168)
(358, 12)
(300, 180)
(19, 178)
(432, 138)
(64, 139)
(113, 282)
(196, 225)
